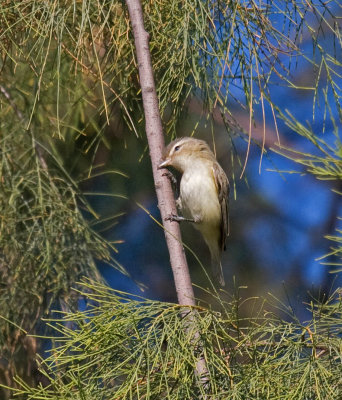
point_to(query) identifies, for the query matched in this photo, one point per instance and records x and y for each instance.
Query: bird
(203, 194)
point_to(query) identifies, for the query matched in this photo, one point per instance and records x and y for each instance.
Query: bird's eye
(177, 148)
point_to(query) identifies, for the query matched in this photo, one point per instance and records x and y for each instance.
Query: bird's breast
(199, 197)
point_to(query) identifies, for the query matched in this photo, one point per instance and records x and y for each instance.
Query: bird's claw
(177, 218)
(172, 178)
(173, 217)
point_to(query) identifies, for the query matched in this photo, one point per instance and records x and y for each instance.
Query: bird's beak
(164, 163)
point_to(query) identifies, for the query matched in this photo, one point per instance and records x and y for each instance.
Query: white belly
(199, 198)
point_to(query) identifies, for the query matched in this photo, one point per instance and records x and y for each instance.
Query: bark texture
(155, 137)
(166, 202)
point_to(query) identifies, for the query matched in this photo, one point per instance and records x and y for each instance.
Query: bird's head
(183, 152)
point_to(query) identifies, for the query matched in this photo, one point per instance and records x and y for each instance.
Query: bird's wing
(222, 185)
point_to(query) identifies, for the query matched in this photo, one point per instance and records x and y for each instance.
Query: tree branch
(155, 137)
(166, 202)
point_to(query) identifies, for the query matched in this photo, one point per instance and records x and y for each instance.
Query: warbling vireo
(204, 190)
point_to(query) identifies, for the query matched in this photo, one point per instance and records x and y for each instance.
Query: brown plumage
(204, 191)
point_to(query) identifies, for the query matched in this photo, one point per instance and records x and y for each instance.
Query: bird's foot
(172, 178)
(177, 218)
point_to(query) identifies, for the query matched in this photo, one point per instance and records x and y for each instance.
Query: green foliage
(324, 162)
(68, 70)
(130, 348)
(46, 243)
(207, 48)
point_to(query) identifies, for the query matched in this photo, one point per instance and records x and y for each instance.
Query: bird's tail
(215, 252)
(217, 271)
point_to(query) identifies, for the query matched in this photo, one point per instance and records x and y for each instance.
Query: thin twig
(20, 115)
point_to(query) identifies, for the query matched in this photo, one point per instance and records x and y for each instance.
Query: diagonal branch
(155, 137)
(166, 202)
